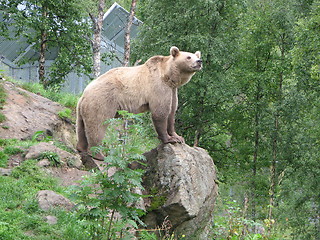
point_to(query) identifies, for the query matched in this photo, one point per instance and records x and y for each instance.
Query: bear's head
(185, 61)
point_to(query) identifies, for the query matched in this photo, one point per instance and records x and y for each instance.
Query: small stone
(48, 199)
(44, 163)
(51, 219)
(5, 172)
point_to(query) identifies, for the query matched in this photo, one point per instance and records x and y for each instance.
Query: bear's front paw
(172, 139)
(175, 139)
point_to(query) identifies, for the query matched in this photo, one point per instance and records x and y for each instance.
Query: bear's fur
(151, 86)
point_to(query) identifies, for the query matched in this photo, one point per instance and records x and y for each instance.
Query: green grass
(3, 159)
(66, 99)
(20, 215)
(11, 147)
(3, 97)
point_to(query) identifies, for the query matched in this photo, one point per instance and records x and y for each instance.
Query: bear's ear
(174, 51)
(198, 54)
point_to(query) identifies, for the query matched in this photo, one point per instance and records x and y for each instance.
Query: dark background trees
(254, 106)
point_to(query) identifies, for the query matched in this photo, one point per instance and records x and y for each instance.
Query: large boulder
(182, 180)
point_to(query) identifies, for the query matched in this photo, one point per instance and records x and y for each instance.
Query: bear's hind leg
(95, 141)
(96, 130)
(82, 143)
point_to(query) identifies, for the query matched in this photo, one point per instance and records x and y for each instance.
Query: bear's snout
(198, 64)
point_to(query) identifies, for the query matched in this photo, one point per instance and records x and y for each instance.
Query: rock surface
(182, 179)
(51, 219)
(48, 199)
(5, 172)
(27, 113)
(67, 159)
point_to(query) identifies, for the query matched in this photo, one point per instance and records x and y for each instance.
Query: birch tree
(127, 44)
(97, 20)
(49, 24)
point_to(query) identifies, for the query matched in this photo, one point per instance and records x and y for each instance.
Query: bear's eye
(188, 57)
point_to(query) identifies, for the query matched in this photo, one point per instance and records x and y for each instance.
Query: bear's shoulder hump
(155, 60)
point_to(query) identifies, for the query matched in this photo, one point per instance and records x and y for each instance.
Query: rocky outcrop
(182, 181)
(28, 113)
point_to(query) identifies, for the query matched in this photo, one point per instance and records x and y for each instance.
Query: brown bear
(151, 86)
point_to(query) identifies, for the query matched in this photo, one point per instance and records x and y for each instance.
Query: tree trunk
(96, 43)
(127, 34)
(254, 169)
(255, 152)
(196, 138)
(43, 47)
(273, 167)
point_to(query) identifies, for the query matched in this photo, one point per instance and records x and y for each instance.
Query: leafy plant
(53, 158)
(111, 191)
(41, 136)
(231, 222)
(66, 99)
(65, 114)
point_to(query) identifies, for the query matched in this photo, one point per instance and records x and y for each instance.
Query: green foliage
(12, 150)
(144, 235)
(66, 99)
(231, 222)
(41, 136)
(64, 27)
(3, 159)
(7, 232)
(254, 106)
(6, 152)
(53, 158)
(7, 142)
(305, 52)
(31, 173)
(113, 190)
(3, 97)
(65, 114)
(20, 215)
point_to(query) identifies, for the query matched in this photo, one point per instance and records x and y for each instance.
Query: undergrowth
(21, 217)
(115, 189)
(3, 97)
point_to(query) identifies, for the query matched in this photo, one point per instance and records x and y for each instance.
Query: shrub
(100, 196)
